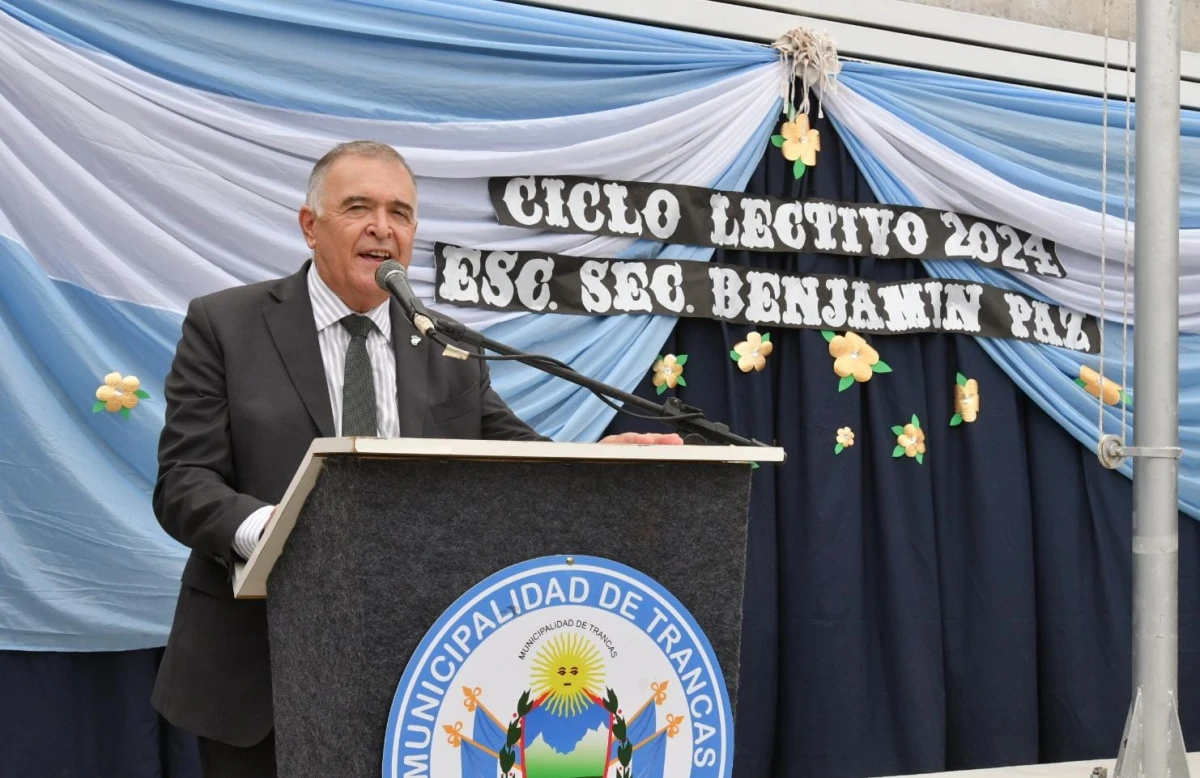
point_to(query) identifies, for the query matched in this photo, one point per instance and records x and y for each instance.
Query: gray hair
(359, 148)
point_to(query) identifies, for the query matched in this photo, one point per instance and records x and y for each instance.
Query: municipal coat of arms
(562, 668)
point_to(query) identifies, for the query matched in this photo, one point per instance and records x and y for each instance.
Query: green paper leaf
(898, 430)
(960, 379)
(661, 388)
(507, 758)
(681, 359)
(881, 367)
(734, 355)
(791, 112)
(753, 465)
(798, 168)
(1125, 398)
(681, 381)
(777, 140)
(956, 419)
(99, 406)
(125, 413)
(827, 334)
(898, 451)
(920, 459)
(845, 383)
(1080, 382)
(837, 449)
(766, 338)
(916, 422)
(143, 394)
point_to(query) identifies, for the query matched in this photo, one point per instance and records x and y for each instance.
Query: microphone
(391, 276)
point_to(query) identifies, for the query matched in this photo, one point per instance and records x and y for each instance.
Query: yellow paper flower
(966, 400)
(912, 440)
(845, 437)
(852, 357)
(118, 394)
(1109, 391)
(752, 353)
(668, 371)
(800, 142)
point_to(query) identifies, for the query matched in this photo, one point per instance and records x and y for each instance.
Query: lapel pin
(415, 339)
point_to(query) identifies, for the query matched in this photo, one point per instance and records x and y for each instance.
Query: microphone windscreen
(386, 269)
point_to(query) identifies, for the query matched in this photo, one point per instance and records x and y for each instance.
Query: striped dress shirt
(333, 338)
(328, 311)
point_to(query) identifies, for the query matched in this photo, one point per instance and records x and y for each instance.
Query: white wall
(1078, 15)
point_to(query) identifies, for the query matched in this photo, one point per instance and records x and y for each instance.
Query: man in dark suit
(259, 372)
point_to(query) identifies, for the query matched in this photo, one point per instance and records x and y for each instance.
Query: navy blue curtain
(87, 715)
(971, 611)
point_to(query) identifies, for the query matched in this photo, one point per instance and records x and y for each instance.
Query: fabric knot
(812, 58)
(358, 326)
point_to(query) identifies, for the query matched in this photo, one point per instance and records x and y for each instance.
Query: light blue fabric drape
(1040, 140)
(618, 348)
(416, 60)
(155, 144)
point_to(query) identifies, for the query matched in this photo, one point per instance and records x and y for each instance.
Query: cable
(527, 358)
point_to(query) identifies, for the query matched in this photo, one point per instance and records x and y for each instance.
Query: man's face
(368, 214)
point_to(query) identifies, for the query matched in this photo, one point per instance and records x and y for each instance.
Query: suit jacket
(246, 396)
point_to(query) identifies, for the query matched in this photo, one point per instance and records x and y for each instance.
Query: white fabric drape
(938, 177)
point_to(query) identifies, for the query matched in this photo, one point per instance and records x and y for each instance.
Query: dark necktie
(358, 385)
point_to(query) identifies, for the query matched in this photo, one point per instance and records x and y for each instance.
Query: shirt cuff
(247, 535)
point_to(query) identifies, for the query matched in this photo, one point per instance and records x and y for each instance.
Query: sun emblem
(567, 671)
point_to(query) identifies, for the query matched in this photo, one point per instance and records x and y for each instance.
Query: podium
(376, 538)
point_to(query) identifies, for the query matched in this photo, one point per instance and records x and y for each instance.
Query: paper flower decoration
(966, 400)
(910, 440)
(853, 359)
(668, 371)
(1097, 385)
(798, 143)
(119, 394)
(845, 439)
(752, 353)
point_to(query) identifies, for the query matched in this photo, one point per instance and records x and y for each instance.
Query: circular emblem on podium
(562, 667)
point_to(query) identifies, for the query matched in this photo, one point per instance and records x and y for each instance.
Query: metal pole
(1156, 397)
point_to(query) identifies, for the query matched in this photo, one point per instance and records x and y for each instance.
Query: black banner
(545, 283)
(696, 216)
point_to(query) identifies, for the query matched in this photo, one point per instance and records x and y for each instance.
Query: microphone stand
(695, 430)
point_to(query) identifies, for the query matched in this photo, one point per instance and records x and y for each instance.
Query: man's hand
(645, 439)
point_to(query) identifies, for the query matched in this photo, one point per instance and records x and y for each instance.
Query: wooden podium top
(250, 579)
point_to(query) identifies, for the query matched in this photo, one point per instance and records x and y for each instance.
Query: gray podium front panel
(384, 546)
